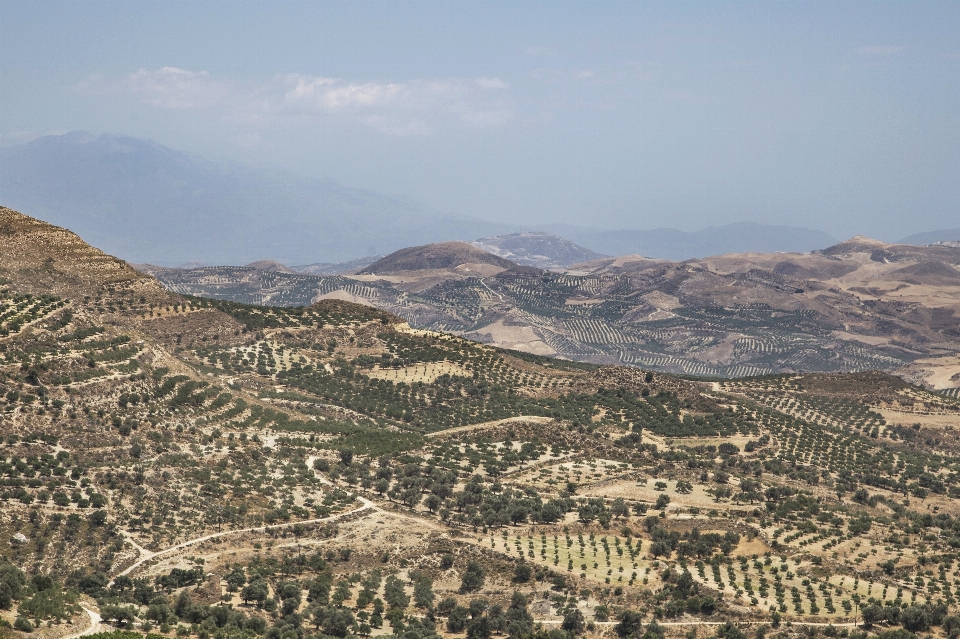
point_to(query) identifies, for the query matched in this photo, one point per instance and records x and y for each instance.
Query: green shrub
(23, 625)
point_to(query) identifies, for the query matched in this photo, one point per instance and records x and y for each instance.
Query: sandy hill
(441, 256)
(270, 266)
(44, 260)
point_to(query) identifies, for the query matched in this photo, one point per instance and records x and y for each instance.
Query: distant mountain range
(149, 203)
(152, 204)
(932, 237)
(671, 244)
(332, 268)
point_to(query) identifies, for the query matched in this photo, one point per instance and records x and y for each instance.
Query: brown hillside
(360, 311)
(42, 259)
(444, 255)
(871, 386)
(927, 273)
(270, 266)
(36, 257)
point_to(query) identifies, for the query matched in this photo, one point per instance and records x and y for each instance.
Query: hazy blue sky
(840, 116)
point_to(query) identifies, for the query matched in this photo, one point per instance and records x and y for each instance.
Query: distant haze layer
(923, 239)
(149, 203)
(671, 244)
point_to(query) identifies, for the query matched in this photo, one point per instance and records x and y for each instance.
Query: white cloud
(308, 92)
(173, 88)
(491, 83)
(400, 108)
(416, 107)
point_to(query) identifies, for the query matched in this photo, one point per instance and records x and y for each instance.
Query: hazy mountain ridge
(932, 237)
(140, 199)
(542, 250)
(334, 268)
(676, 245)
(153, 204)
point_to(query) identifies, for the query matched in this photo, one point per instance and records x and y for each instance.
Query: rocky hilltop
(442, 256)
(38, 256)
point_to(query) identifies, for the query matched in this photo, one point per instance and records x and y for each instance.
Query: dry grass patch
(427, 372)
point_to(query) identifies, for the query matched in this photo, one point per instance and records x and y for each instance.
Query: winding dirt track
(94, 627)
(146, 555)
(367, 505)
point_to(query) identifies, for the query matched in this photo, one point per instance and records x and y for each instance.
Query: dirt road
(96, 625)
(367, 505)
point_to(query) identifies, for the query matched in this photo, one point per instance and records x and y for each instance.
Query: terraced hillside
(861, 305)
(541, 250)
(193, 467)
